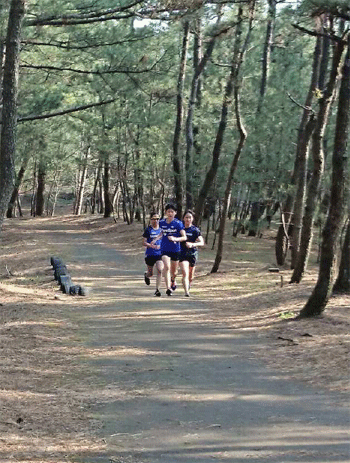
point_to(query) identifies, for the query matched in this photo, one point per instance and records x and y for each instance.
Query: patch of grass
(286, 315)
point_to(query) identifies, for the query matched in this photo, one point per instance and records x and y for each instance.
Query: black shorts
(174, 256)
(191, 258)
(151, 260)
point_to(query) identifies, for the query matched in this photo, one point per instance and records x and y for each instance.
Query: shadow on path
(176, 389)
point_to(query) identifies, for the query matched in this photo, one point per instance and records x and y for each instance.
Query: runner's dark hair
(170, 206)
(189, 211)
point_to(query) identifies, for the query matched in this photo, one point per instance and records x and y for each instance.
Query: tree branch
(85, 18)
(306, 108)
(62, 112)
(82, 71)
(318, 34)
(67, 46)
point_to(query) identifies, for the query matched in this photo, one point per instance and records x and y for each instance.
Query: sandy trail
(174, 388)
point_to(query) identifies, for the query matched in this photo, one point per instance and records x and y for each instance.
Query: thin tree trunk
(2, 59)
(9, 110)
(125, 202)
(20, 213)
(34, 186)
(40, 201)
(101, 198)
(243, 136)
(108, 207)
(282, 237)
(266, 58)
(284, 230)
(330, 236)
(342, 284)
(178, 181)
(115, 200)
(211, 174)
(198, 70)
(94, 191)
(56, 189)
(81, 186)
(318, 165)
(239, 57)
(304, 137)
(18, 182)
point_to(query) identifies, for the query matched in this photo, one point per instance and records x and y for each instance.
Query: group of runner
(170, 242)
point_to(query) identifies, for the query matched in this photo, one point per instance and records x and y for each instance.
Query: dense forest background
(237, 109)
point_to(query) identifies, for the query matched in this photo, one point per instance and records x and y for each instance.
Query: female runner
(189, 251)
(153, 256)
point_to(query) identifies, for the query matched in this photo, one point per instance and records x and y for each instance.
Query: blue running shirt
(150, 234)
(192, 234)
(170, 229)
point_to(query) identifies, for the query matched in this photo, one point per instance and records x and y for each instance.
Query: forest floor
(44, 393)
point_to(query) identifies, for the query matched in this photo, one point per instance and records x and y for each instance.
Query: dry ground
(44, 397)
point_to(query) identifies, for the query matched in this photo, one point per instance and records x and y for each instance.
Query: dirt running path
(176, 389)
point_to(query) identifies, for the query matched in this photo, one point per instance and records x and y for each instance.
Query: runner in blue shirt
(189, 251)
(153, 257)
(172, 234)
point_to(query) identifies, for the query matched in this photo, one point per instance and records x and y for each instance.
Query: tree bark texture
(342, 283)
(15, 192)
(51, 199)
(199, 65)
(239, 54)
(304, 136)
(266, 57)
(318, 164)
(211, 174)
(40, 201)
(330, 235)
(242, 139)
(81, 186)
(178, 174)
(94, 196)
(9, 111)
(2, 56)
(108, 209)
(284, 230)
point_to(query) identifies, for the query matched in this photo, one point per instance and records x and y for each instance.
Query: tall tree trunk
(193, 101)
(138, 178)
(9, 110)
(2, 57)
(211, 174)
(100, 196)
(15, 192)
(108, 209)
(304, 137)
(34, 187)
(266, 58)
(239, 53)
(318, 164)
(198, 70)
(52, 195)
(298, 175)
(342, 283)
(243, 136)
(81, 184)
(115, 201)
(125, 201)
(178, 175)
(330, 235)
(40, 201)
(94, 195)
